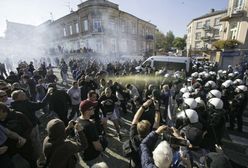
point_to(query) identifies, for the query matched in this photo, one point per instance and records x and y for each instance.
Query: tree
(179, 43)
(160, 40)
(226, 44)
(164, 42)
(169, 38)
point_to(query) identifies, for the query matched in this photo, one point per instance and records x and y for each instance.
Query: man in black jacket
(28, 108)
(59, 102)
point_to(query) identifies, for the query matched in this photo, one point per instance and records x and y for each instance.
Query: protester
(91, 154)
(59, 102)
(59, 151)
(75, 96)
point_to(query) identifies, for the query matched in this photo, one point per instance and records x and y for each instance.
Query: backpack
(129, 148)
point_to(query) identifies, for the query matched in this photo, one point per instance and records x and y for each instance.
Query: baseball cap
(86, 105)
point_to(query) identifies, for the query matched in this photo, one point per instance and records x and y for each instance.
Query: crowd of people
(176, 123)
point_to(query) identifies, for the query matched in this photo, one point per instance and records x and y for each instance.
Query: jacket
(146, 148)
(58, 150)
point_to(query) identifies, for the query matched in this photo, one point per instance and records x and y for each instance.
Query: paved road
(235, 146)
(113, 154)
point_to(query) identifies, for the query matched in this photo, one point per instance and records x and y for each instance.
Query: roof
(217, 12)
(101, 2)
(165, 58)
(19, 25)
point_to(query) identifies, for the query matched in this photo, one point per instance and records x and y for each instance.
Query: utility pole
(68, 5)
(51, 15)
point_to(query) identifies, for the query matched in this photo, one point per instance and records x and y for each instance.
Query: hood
(56, 130)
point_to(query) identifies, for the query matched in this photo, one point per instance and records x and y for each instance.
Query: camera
(171, 139)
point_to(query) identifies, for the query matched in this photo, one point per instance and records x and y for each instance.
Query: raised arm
(140, 111)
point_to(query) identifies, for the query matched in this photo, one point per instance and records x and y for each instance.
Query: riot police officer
(216, 123)
(237, 107)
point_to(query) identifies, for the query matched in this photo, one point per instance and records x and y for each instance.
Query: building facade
(236, 25)
(230, 24)
(100, 26)
(204, 30)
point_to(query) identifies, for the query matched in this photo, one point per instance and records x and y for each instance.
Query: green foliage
(169, 38)
(164, 42)
(160, 40)
(226, 44)
(179, 43)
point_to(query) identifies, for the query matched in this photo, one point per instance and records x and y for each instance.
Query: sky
(167, 15)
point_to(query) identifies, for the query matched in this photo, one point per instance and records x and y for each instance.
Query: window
(85, 25)
(216, 32)
(233, 30)
(134, 47)
(217, 21)
(71, 30)
(112, 25)
(97, 25)
(113, 45)
(133, 28)
(238, 5)
(77, 28)
(207, 23)
(199, 25)
(144, 31)
(197, 44)
(99, 46)
(64, 30)
(189, 30)
(123, 27)
(198, 35)
(147, 64)
(123, 45)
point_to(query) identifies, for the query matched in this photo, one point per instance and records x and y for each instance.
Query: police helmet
(212, 73)
(200, 102)
(214, 93)
(231, 75)
(191, 89)
(186, 95)
(183, 90)
(236, 73)
(227, 83)
(241, 88)
(199, 79)
(237, 82)
(215, 103)
(220, 71)
(189, 103)
(189, 115)
(210, 84)
(167, 75)
(194, 75)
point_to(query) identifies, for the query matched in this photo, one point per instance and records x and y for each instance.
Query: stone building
(204, 30)
(100, 26)
(236, 18)
(219, 25)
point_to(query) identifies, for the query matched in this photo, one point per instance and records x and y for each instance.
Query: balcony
(235, 12)
(208, 39)
(207, 28)
(149, 37)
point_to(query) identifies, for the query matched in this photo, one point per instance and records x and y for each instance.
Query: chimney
(212, 10)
